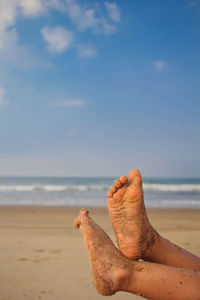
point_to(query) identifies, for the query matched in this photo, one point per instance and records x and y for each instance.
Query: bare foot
(110, 269)
(134, 233)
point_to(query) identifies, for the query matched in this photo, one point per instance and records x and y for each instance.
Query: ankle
(123, 276)
(153, 245)
(122, 280)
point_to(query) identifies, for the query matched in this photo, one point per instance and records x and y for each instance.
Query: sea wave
(173, 203)
(100, 187)
(172, 187)
(53, 188)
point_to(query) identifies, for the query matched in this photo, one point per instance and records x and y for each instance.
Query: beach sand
(42, 256)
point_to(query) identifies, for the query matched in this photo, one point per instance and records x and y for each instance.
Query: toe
(124, 180)
(83, 215)
(84, 212)
(109, 194)
(135, 177)
(113, 189)
(117, 183)
(77, 222)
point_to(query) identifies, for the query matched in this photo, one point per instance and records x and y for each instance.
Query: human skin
(113, 272)
(136, 237)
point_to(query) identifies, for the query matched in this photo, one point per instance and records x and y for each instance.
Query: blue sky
(95, 88)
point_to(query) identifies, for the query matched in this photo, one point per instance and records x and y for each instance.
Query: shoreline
(27, 206)
(43, 257)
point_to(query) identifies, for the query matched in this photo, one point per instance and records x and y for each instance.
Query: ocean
(87, 192)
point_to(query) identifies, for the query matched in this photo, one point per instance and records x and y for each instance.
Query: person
(146, 263)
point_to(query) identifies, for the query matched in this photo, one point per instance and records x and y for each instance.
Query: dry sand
(42, 256)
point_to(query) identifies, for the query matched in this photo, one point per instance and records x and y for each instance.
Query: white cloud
(113, 11)
(3, 101)
(8, 37)
(70, 103)
(159, 65)
(83, 16)
(32, 7)
(37, 7)
(88, 19)
(20, 56)
(108, 28)
(58, 38)
(86, 51)
(7, 13)
(11, 50)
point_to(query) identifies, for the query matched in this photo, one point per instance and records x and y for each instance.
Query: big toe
(135, 177)
(82, 215)
(84, 212)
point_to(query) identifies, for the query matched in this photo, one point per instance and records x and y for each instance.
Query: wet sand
(42, 256)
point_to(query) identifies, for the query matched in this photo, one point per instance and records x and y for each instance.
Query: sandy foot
(110, 269)
(134, 233)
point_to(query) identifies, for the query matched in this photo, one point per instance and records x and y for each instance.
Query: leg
(165, 252)
(136, 237)
(114, 272)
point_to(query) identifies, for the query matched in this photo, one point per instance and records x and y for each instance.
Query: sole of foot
(134, 233)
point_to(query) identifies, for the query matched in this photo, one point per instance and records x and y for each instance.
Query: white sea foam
(52, 188)
(69, 191)
(172, 187)
(100, 187)
(173, 203)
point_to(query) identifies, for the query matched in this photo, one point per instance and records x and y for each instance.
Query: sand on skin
(42, 256)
